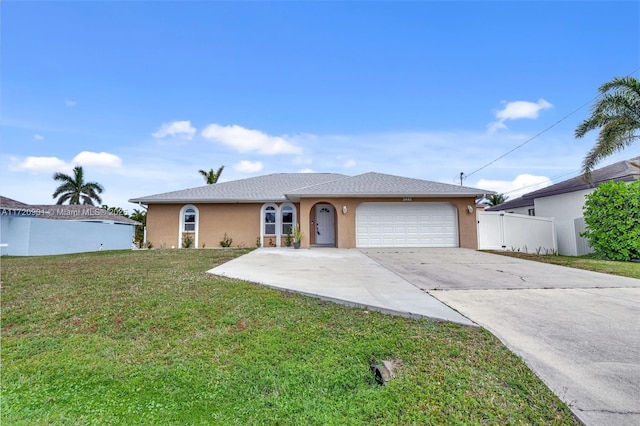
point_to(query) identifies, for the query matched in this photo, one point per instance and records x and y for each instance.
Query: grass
(147, 337)
(588, 262)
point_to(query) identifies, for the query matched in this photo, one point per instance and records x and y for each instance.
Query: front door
(325, 225)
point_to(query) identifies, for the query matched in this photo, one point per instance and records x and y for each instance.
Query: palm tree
(139, 216)
(617, 115)
(211, 177)
(115, 210)
(75, 190)
(496, 199)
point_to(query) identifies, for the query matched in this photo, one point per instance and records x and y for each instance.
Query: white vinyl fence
(517, 232)
(570, 243)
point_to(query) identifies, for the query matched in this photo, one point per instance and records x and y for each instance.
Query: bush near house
(612, 214)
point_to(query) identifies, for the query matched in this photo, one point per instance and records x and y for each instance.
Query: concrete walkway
(344, 276)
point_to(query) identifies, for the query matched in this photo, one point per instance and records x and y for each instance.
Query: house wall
(27, 236)
(520, 210)
(562, 206)
(241, 222)
(346, 223)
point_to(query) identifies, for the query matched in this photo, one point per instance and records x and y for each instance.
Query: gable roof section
(383, 185)
(258, 189)
(626, 171)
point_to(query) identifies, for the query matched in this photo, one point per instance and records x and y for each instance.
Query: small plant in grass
(258, 243)
(203, 245)
(187, 241)
(226, 241)
(149, 245)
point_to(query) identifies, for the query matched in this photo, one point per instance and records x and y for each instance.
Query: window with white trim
(189, 220)
(270, 215)
(288, 219)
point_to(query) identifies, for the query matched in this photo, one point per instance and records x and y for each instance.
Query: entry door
(325, 224)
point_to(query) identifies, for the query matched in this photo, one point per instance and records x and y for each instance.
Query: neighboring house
(564, 202)
(368, 210)
(520, 205)
(36, 230)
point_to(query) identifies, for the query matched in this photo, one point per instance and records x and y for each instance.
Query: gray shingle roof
(383, 185)
(62, 212)
(292, 186)
(524, 201)
(10, 203)
(626, 171)
(256, 189)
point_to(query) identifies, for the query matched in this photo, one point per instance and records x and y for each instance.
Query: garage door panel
(421, 224)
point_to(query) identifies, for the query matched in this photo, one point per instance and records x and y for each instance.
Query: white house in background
(564, 202)
(37, 230)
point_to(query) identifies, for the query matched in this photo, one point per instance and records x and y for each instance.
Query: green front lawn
(589, 263)
(147, 337)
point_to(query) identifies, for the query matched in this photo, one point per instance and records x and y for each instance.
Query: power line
(554, 179)
(543, 131)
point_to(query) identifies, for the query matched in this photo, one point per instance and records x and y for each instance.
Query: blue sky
(144, 94)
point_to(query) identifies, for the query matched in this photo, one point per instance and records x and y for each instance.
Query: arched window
(277, 221)
(189, 217)
(270, 215)
(287, 219)
(189, 220)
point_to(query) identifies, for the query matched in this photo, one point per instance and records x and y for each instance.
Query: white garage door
(406, 225)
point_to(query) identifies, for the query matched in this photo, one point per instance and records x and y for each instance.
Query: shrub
(226, 241)
(187, 241)
(612, 214)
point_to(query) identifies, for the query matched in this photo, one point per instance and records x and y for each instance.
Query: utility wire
(543, 131)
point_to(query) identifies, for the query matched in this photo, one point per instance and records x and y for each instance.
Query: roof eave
(296, 197)
(208, 201)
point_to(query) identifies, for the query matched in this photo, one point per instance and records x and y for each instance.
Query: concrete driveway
(578, 330)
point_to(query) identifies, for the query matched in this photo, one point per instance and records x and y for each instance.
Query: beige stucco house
(334, 210)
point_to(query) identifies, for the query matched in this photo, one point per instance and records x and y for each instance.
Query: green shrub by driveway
(612, 214)
(147, 337)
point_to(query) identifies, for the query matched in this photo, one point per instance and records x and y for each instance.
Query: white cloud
(38, 137)
(55, 164)
(247, 140)
(516, 110)
(349, 163)
(246, 166)
(70, 103)
(522, 184)
(307, 170)
(39, 165)
(182, 129)
(99, 159)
